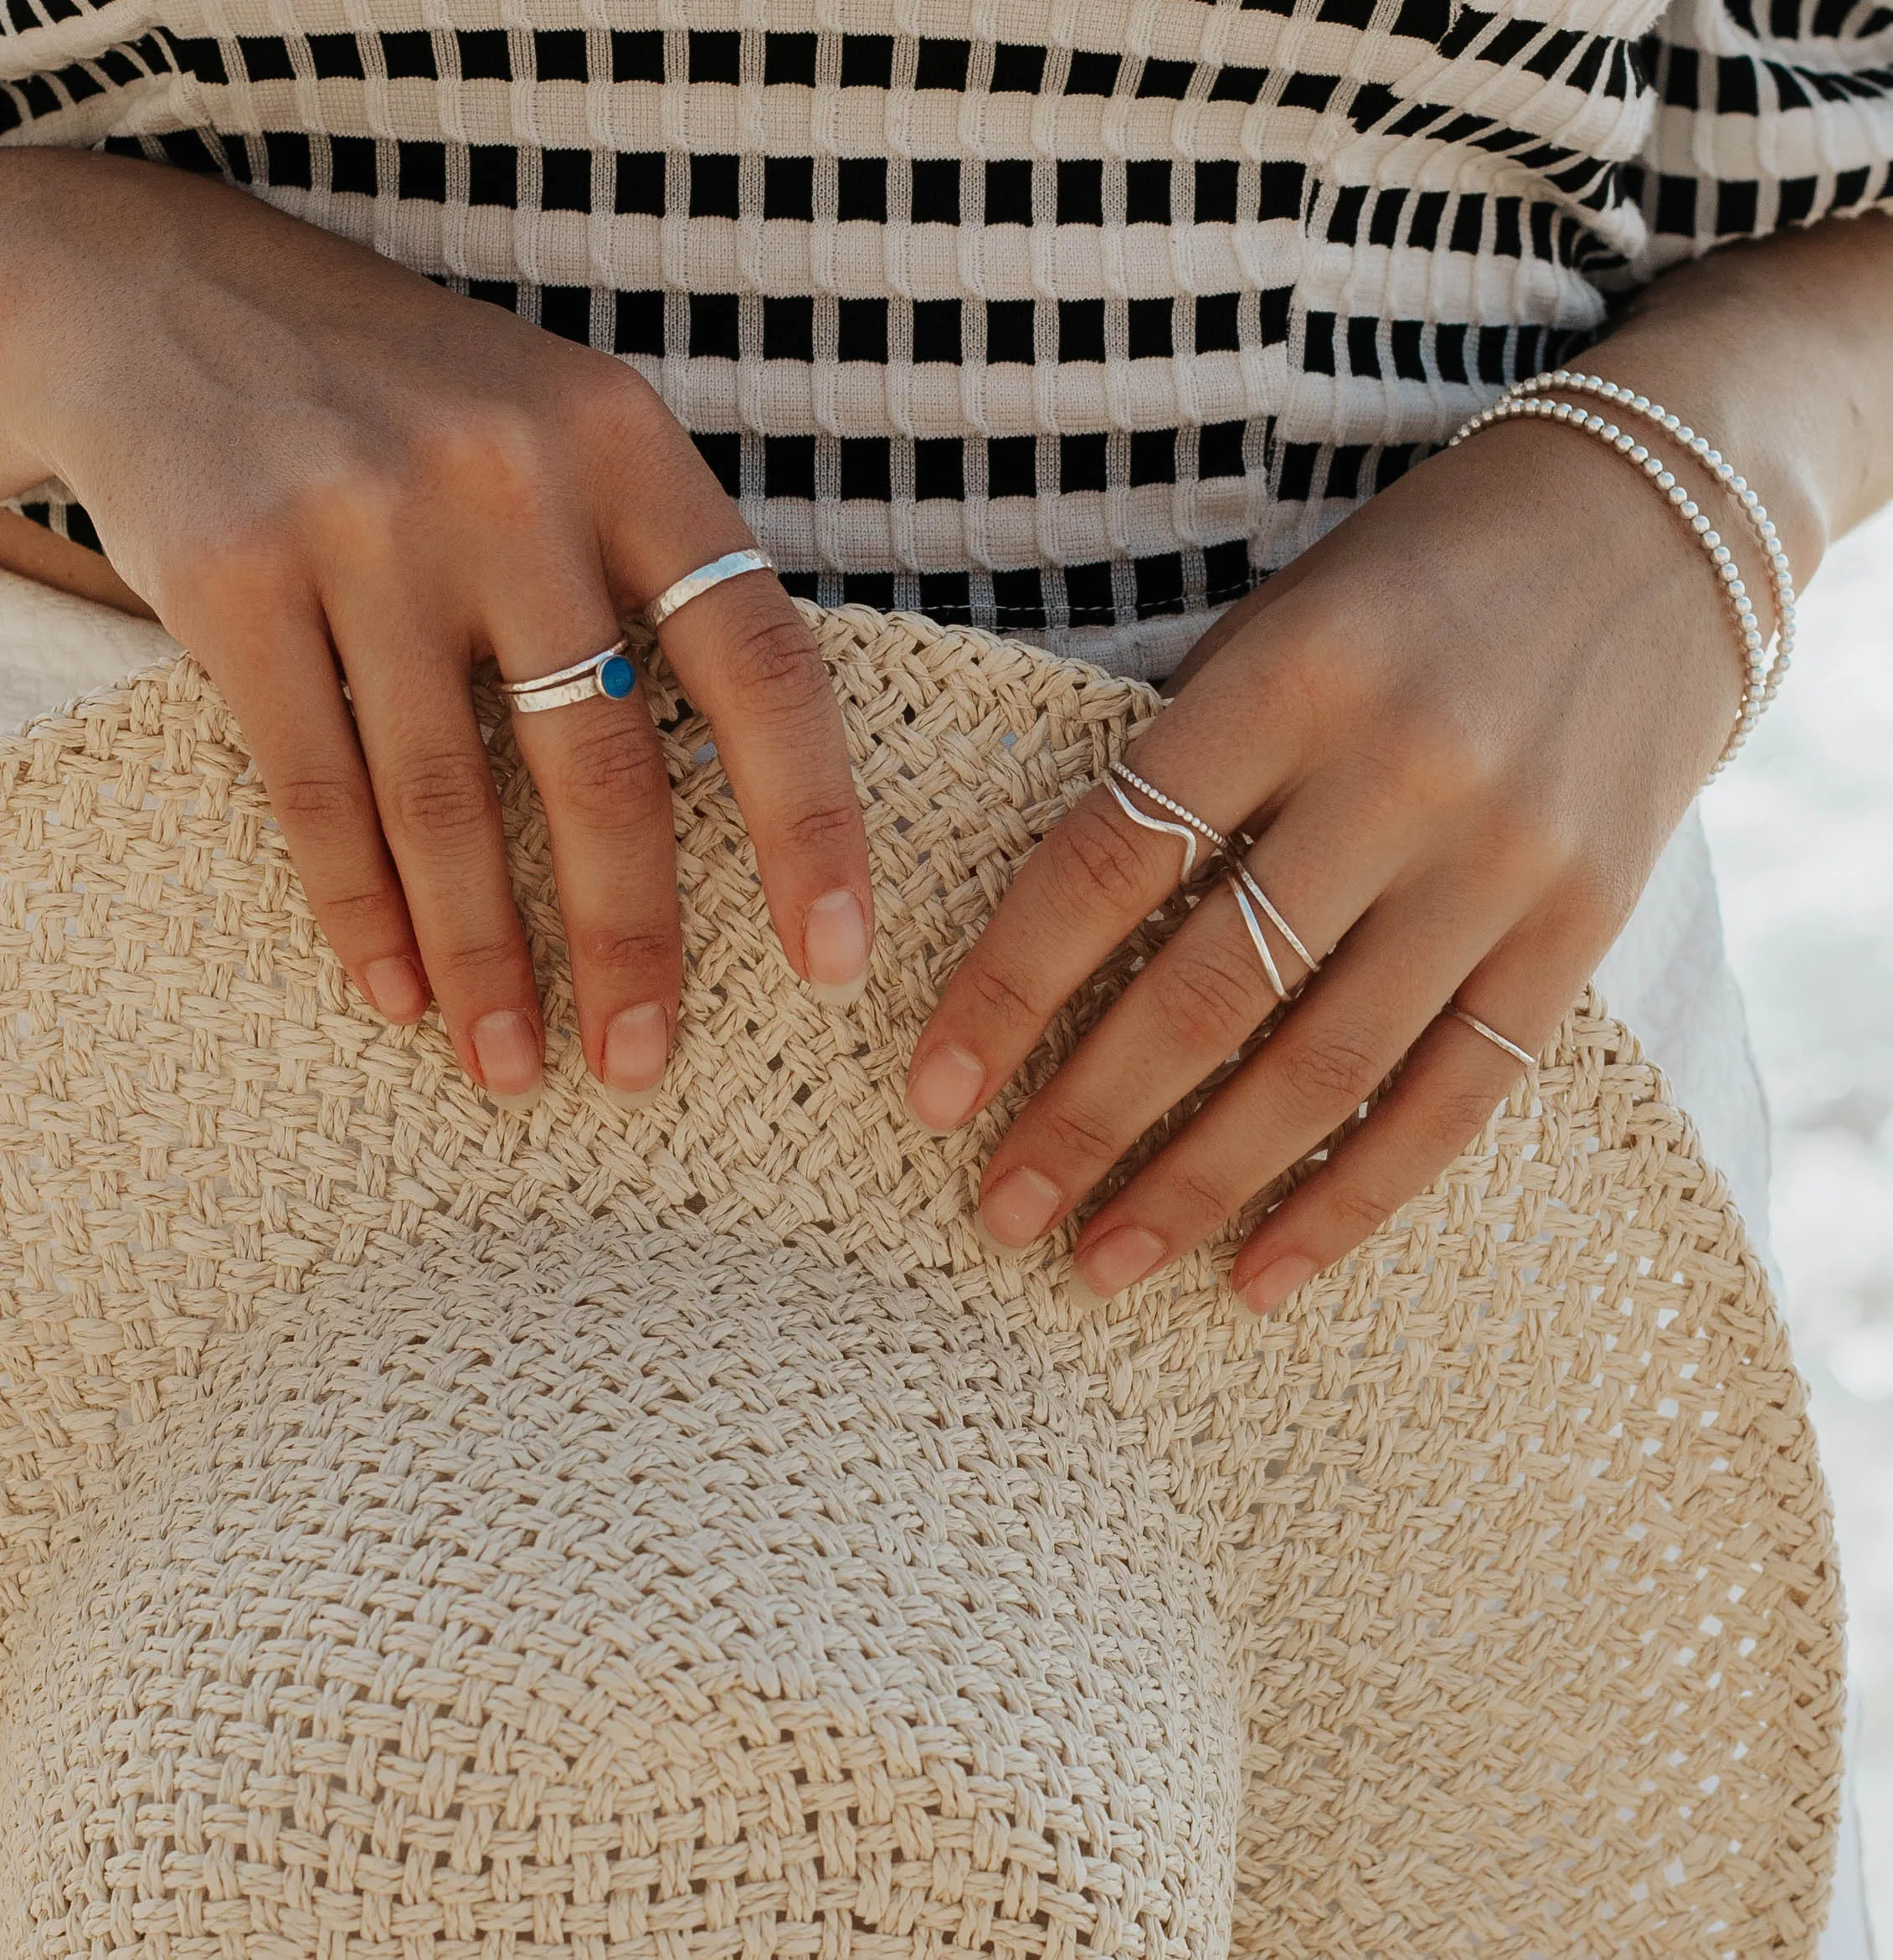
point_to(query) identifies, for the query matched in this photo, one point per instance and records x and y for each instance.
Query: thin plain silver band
(1491, 1034)
(577, 682)
(1208, 832)
(1188, 838)
(1257, 938)
(694, 585)
(1275, 919)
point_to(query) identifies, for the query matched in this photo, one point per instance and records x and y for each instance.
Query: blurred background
(1803, 831)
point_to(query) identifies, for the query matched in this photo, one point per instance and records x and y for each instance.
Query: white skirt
(1668, 978)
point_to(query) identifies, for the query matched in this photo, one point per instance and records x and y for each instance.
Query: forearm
(48, 559)
(1781, 352)
(40, 191)
(26, 177)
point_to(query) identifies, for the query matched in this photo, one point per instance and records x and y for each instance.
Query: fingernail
(511, 1062)
(835, 944)
(395, 986)
(637, 1050)
(1019, 1207)
(1118, 1259)
(944, 1089)
(1276, 1281)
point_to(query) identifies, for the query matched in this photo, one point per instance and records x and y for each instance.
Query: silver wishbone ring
(1184, 835)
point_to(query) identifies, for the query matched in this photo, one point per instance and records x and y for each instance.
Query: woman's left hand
(1461, 729)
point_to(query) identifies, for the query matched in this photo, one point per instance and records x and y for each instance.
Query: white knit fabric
(1069, 320)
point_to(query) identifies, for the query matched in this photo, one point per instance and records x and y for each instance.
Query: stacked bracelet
(1761, 674)
(1712, 459)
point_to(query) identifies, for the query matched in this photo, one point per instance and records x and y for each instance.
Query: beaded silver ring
(1208, 832)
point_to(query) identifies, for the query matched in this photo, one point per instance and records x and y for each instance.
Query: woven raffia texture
(430, 1531)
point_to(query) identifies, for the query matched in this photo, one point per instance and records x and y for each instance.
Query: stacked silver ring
(1120, 774)
(1251, 900)
(1243, 884)
(612, 674)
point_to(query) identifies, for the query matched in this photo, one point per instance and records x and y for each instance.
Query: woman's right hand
(305, 457)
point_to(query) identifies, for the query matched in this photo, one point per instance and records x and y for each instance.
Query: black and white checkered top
(1069, 317)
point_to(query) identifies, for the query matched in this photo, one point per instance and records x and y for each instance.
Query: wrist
(1715, 394)
(1676, 459)
(1776, 348)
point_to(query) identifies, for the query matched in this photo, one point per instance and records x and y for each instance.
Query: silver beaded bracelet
(1761, 676)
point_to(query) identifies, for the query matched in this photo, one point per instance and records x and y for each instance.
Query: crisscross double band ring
(612, 673)
(1244, 886)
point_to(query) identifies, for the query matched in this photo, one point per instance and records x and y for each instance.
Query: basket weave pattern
(426, 1531)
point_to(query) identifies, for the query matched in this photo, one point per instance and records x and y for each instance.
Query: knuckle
(1324, 665)
(624, 949)
(1437, 757)
(1332, 1069)
(1205, 1196)
(1315, 674)
(1525, 850)
(1594, 902)
(1453, 1117)
(321, 807)
(1361, 1210)
(607, 400)
(611, 776)
(773, 658)
(234, 580)
(444, 800)
(827, 824)
(1001, 996)
(1080, 1134)
(489, 455)
(1097, 864)
(483, 966)
(365, 909)
(352, 503)
(1208, 996)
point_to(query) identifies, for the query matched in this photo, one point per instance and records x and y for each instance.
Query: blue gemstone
(617, 676)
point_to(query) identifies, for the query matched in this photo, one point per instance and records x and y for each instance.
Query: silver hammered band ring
(1491, 1035)
(610, 674)
(694, 585)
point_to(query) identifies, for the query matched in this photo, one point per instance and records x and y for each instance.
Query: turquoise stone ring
(611, 673)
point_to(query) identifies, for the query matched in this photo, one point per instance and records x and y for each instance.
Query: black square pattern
(1198, 467)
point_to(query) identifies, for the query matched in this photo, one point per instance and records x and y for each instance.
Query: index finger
(1084, 887)
(747, 658)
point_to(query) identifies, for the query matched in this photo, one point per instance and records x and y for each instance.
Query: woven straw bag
(428, 1533)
